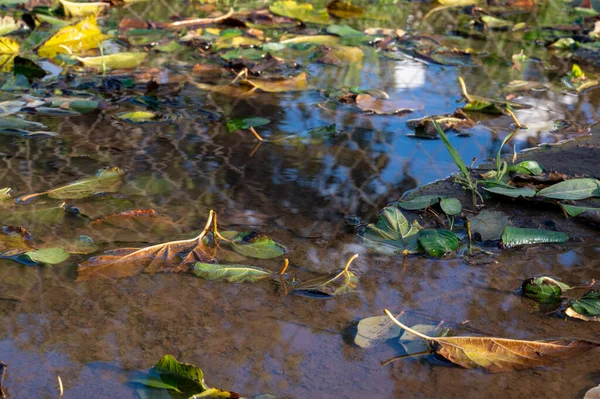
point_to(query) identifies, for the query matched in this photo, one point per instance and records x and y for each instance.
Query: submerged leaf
(334, 284)
(254, 245)
(392, 233)
(297, 83)
(514, 236)
(499, 354)
(489, 224)
(543, 289)
(367, 103)
(585, 308)
(574, 189)
(77, 38)
(234, 125)
(372, 331)
(451, 206)
(51, 256)
(304, 11)
(438, 242)
(230, 273)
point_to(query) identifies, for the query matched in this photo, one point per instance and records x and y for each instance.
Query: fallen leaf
(368, 103)
(5, 194)
(420, 202)
(302, 11)
(586, 308)
(297, 83)
(392, 233)
(438, 242)
(255, 245)
(236, 124)
(28, 68)
(230, 273)
(342, 9)
(499, 354)
(340, 55)
(14, 239)
(510, 191)
(114, 61)
(372, 331)
(77, 38)
(174, 256)
(50, 256)
(8, 46)
(334, 284)
(574, 189)
(543, 289)
(451, 206)
(489, 225)
(80, 9)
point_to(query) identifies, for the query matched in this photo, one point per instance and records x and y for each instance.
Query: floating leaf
(77, 38)
(368, 103)
(489, 224)
(334, 284)
(344, 31)
(514, 236)
(437, 242)
(254, 245)
(392, 233)
(420, 202)
(451, 206)
(527, 167)
(510, 191)
(488, 105)
(496, 23)
(499, 354)
(372, 331)
(304, 11)
(105, 181)
(342, 9)
(143, 117)
(414, 344)
(114, 61)
(77, 9)
(585, 308)
(297, 83)
(230, 273)
(174, 256)
(574, 189)
(423, 127)
(543, 289)
(234, 125)
(51, 256)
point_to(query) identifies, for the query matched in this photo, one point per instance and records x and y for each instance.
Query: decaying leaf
(584, 212)
(543, 289)
(334, 284)
(424, 126)
(77, 38)
(586, 308)
(368, 103)
(105, 181)
(372, 331)
(174, 256)
(392, 233)
(499, 354)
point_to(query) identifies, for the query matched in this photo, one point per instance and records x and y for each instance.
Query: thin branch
(200, 21)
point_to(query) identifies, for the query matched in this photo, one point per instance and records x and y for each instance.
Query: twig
(464, 89)
(243, 72)
(514, 118)
(3, 368)
(200, 21)
(405, 356)
(60, 388)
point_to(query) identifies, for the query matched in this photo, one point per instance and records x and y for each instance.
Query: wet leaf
(80, 9)
(143, 117)
(105, 181)
(574, 189)
(414, 344)
(527, 167)
(81, 245)
(496, 23)
(114, 61)
(14, 239)
(420, 202)
(368, 103)
(230, 273)
(316, 39)
(341, 55)
(334, 284)
(255, 245)
(543, 289)
(170, 374)
(234, 125)
(451, 206)
(512, 192)
(499, 354)
(169, 257)
(77, 38)
(489, 224)
(373, 331)
(50, 256)
(28, 68)
(514, 236)
(585, 308)
(297, 83)
(8, 46)
(36, 217)
(303, 11)
(342, 9)
(584, 212)
(392, 233)
(424, 126)
(344, 31)
(5, 194)
(438, 242)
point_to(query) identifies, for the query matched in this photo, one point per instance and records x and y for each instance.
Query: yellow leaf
(8, 46)
(77, 38)
(114, 61)
(7, 62)
(297, 83)
(76, 9)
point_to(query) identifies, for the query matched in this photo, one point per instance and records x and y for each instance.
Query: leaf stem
(405, 356)
(60, 388)
(512, 114)
(255, 133)
(464, 89)
(349, 262)
(286, 263)
(410, 330)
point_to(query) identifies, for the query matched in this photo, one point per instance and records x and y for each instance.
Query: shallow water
(249, 338)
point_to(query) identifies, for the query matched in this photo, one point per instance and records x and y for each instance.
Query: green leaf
(527, 167)
(304, 12)
(51, 256)
(437, 242)
(5, 194)
(453, 153)
(585, 308)
(496, 23)
(375, 330)
(489, 224)
(344, 31)
(106, 181)
(230, 273)
(233, 125)
(420, 202)
(255, 245)
(574, 189)
(114, 61)
(510, 191)
(334, 284)
(28, 68)
(180, 377)
(543, 289)
(392, 233)
(584, 212)
(514, 236)
(451, 206)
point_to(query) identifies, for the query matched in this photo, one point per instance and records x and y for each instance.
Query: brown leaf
(173, 257)
(545, 179)
(368, 103)
(499, 354)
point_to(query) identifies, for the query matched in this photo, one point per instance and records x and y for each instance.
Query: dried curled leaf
(499, 354)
